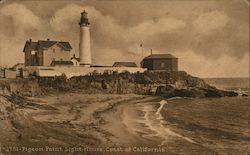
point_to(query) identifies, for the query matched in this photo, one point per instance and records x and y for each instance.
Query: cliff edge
(164, 83)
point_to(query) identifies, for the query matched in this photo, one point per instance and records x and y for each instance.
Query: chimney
(151, 51)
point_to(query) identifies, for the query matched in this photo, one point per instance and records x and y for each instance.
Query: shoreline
(211, 122)
(123, 120)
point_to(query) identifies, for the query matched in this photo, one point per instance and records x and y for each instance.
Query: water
(155, 123)
(236, 84)
(213, 124)
(199, 124)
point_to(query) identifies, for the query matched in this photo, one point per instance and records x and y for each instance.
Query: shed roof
(18, 65)
(40, 44)
(78, 59)
(160, 56)
(124, 64)
(61, 63)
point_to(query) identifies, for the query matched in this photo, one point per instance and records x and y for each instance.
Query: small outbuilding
(61, 63)
(75, 60)
(124, 64)
(160, 62)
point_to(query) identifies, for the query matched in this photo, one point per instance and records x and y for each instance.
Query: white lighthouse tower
(84, 45)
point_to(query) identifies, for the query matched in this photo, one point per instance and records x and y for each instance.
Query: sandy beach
(126, 124)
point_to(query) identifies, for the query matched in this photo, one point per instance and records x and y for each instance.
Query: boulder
(213, 92)
(160, 90)
(193, 92)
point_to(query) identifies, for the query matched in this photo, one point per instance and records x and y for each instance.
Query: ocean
(240, 85)
(208, 125)
(215, 125)
(193, 125)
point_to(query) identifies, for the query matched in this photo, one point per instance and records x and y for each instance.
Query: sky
(210, 37)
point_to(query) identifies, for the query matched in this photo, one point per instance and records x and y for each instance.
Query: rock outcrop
(193, 92)
(167, 84)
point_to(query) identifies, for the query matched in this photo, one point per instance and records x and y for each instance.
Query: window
(33, 52)
(162, 65)
(54, 50)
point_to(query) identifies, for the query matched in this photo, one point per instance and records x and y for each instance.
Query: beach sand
(128, 124)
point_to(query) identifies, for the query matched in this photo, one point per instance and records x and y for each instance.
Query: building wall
(33, 60)
(10, 74)
(27, 58)
(75, 62)
(55, 53)
(40, 57)
(170, 64)
(148, 64)
(2, 73)
(165, 64)
(71, 71)
(175, 64)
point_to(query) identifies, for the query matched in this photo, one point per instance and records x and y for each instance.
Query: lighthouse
(84, 45)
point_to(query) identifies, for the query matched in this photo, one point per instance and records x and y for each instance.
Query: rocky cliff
(167, 84)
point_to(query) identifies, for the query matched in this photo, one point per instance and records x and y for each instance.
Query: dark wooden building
(166, 62)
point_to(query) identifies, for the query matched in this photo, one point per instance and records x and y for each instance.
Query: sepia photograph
(124, 77)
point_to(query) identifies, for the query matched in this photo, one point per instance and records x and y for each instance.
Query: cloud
(151, 28)
(107, 25)
(108, 36)
(23, 18)
(109, 56)
(225, 66)
(68, 17)
(2, 1)
(212, 32)
(209, 22)
(247, 2)
(18, 22)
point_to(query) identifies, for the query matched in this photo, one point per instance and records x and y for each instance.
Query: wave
(155, 122)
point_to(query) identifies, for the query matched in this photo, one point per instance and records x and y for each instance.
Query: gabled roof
(160, 56)
(30, 46)
(45, 44)
(124, 64)
(48, 44)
